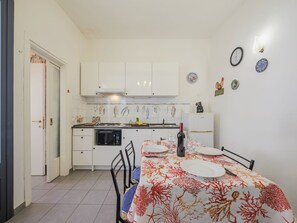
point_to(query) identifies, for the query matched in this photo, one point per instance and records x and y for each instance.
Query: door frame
(64, 170)
(7, 43)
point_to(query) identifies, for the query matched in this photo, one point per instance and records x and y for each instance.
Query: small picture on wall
(234, 84)
(219, 87)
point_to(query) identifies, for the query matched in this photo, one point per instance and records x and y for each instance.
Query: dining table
(168, 193)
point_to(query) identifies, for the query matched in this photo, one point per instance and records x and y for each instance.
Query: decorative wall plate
(236, 56)
(192, 77)
(234, 84)
(261, 65)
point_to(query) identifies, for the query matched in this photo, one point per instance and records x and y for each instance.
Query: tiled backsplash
(124, 112)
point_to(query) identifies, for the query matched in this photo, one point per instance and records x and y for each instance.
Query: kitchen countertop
(128, 126)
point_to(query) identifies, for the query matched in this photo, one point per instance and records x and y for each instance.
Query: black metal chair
(250, 162)
(134, 172)
(117, 165)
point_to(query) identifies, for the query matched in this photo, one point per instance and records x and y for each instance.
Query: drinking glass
(171, 140)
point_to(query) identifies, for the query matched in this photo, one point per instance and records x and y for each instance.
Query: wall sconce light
(259, 44)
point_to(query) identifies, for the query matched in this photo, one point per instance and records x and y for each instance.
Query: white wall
(45, 23)
(191, 55)
(259, 120)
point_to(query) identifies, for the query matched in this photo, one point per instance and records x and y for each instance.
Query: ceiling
(99, 19)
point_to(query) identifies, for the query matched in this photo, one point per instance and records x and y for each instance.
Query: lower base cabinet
(86, 154)
(103, 155)
(82, 158)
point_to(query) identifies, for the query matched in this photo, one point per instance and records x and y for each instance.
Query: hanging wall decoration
(219, 86)
(192, 77)
(261, 65)
(236, 56)
(234, 84)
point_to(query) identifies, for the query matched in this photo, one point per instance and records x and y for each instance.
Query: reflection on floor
(82, 196)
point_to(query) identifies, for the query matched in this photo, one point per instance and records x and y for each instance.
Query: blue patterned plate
(261, 65)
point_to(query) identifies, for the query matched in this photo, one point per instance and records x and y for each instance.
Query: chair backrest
(250, 162)
(117, 165)
(130, 153)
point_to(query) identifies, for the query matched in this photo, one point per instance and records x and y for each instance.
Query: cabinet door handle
(153, 130)
(153, 93)
(81, 152)
(124, 137)
(82, 130)
(136, 130)
(82, 137)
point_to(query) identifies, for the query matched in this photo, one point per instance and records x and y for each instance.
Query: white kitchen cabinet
(82, 148)
(165, 79)
(112, 76)
(137, 136)
(103, 155)
(82, 142)
(82, 158)
(89, 78)
(138, 79)
(157, 134)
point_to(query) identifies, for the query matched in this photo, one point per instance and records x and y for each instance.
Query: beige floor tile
(73, 197)
(107, 214)
(111, 198)
(104, 184)
(36, 180)
(45, 186)
(95, 197)
(32, 214)
(37, 194)
(52, 196)
(59, 213)
(85, 183)
(84, 214)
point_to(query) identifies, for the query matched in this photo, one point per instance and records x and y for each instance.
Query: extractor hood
(110, 91)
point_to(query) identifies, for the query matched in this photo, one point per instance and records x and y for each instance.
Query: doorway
(45, 117)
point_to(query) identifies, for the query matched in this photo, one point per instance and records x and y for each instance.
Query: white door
(37, 82)
(52, 121)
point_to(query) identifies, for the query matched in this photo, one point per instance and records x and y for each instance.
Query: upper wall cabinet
(135, 79)
(112, 77)
(165, 79)
(138, 79)
(89, 78)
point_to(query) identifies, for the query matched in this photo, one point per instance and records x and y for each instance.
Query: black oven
(109, 137)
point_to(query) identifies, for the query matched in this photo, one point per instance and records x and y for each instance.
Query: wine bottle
(181, 151)
(180, 136)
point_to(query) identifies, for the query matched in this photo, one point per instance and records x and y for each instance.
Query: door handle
(51, 121)
(43, 122)
(39, 121)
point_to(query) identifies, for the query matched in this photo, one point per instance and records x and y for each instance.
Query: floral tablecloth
(168, 194)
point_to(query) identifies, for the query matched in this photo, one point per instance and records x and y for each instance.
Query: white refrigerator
(200, 127)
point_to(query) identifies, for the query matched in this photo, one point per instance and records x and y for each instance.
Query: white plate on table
(154, 149)
(209, 151)
(202, 168)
